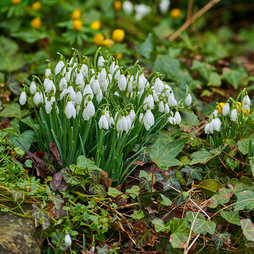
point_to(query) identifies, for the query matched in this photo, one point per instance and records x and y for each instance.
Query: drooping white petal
(22, 98)
(148, 119)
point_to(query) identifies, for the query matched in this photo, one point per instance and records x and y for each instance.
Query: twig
(193, 19)
(229, 246)
(189, 10)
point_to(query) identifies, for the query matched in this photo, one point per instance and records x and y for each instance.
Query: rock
(16, 235)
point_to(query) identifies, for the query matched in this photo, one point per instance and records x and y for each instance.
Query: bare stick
(193, 19)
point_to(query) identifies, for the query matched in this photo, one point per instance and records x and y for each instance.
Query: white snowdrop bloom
(85, 114)
(111, 121)
(155, 96)
(148, 101)
(50, 86)
(22, 98)
(132, 115)
(63, 93)
(148, 119)
(72, 93)
(178, 117)
(103, 122)
(129, 122)
(84, 70)
(128, 7)
(166, 108)
(141, 11)
(101, 61)
(112, 67)
(52, 100)
(161, 106)
(226, 109)
(215, 124)
(130, 83)
(45, 83)
(164, 5)
(122, 82)
(109, 77)
(77, 109)
(104, 85)
(70, 110)
(119, 126)
(33, 88)
(246, 101)
(99, 96)
(59, 67)
(141, 81)
(233, 116)
(141, 118)
(214, 114)
(92, 81)
(48, 106)
(80, 79)
(68, 75)
(168, 89)
(246, 107)
(208, 129)
(171, 99)
(172, 120)
(47, 72)
(78, 99)
(89, 111)
(37, 98)
(62, 84)
(96, 86)
(88, 91)
(124, 124)
(158, 85)
(117, 73)
(116, 93)
(67, 240)
(188, 100)
(107, 113)
(102, 75)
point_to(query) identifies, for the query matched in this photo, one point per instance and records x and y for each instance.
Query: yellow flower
(76, 14)
(36, 23)
(77, 24)
(96, 25)
(240, 107)
(108, 42)
(117, 5)
(15, 1)
(220, 106)
(118, 35)
(127, 94)
(98, 39)
(175, 13)
(36, 6)
(119, 56)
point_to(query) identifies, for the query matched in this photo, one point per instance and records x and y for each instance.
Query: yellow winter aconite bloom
(15, 1)
(220, 106)
(76, 14)
(117, 5)
(118, 35)
(96, 25)
(36, 23)
(98, 39)
(108, 42)
(77, 24)
(175, 13)
(239, 107)
(119, 56)
(36, 6)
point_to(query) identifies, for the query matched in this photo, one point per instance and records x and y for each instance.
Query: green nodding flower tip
(48, 66)
(69, 98)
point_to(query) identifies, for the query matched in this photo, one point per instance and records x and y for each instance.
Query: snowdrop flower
(99, 96)
(164, 5)
(128, 7)
(122, 82)
(84, 70)
(130, 81)
(124, 124)
(112, 68)
(80, 79)
(106, 111)
(215, 124)
(168, 89)
(141, 81)
(70, 110)
(111, 120)
(215, 113)
(166, 108)
(72, 93)
(132, 114)
(101, 61)
(67, 240)
(63, 93)
(177, 117)
(62, 84)
(158, 85)
(103, 122)
(155, 96)
(171, 99)
(59, 65)
(246, 100)
(88, 91)
(225, 109)
(33, 87)
(50, 86)
(78, 99)
(68, 75)
(45, 83)
(48, 70)
(141, 11)
(102, 75)
(161, 106)
(172, 120)
(148, 101)
(118, 73)
(208, 129)
(96, 86)
(188, 100)
(141, 118)
(37, 98)
(233, 116)
(104, 85)
(148, 119)
(48, 106)
(22, 98)
(89, 110)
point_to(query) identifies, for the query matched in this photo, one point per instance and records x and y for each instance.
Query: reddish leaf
(58, 182)
(5, 123)
(54, 150)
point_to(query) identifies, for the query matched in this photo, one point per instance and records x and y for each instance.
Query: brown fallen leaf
(55, 151)
(58, 182)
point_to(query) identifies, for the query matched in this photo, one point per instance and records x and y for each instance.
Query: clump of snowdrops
(100, 110)
(228, 119)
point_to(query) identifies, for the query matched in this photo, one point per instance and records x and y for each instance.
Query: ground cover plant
(121, 133)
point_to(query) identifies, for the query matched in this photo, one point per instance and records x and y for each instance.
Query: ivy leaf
(201, 156)
(248, 229)
(41, 214)
(164, 155)
(137, 215)
(95, 188)
(222, 197)
(69, 177)
(135, 190)
(85, 163)
(202, 68)
(243, 145)
(234, 77)
(188, 119)
(17, 195)
(232, 217)
(113, 192)
(147, 46)
(192, 173)
(210, 186)
(145, 238)
(26, 139)
(180, 233)
(102, 250)
(244, 199)
(214, 79)
(165, 201)
(160, 225)
(58, 240)
(218, 243)
(57, 201)
(241, 184)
